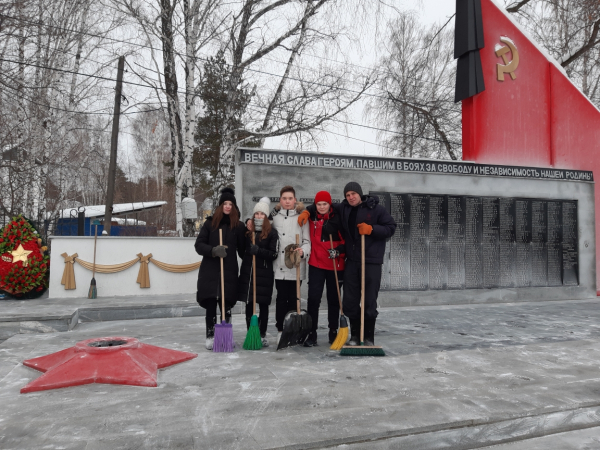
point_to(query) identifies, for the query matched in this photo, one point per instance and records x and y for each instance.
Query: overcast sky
(429, 11)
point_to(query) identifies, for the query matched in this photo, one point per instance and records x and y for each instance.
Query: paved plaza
(508, 376)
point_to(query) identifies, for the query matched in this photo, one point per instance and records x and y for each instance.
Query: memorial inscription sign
(466, 242)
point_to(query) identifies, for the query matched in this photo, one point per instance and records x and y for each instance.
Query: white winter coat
(286, 224)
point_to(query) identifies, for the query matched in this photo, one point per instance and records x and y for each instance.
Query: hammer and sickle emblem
(508, 67)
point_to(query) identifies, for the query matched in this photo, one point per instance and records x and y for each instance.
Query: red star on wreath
(24, 260)
(109, 360)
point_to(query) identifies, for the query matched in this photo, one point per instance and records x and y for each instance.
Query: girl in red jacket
(322, 224)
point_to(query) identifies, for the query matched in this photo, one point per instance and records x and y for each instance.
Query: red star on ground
(110, 360)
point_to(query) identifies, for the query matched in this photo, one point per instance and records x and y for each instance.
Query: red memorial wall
(536, 116)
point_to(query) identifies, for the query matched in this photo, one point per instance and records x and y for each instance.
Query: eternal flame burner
(110, 360)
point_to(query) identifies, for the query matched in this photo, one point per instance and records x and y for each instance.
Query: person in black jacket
(363, 215)
(265, 250)
(226, 218)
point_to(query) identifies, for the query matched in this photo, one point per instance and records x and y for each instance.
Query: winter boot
(354, 332)
(332, 335)
(311, 340)
(264, 340)
(370, 332)
(210, 338)
(227, 314)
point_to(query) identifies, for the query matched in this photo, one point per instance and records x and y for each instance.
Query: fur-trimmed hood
(297, 210)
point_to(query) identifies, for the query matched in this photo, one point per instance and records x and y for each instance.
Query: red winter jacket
(319, 256)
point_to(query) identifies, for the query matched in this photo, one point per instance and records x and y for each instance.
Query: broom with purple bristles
(223, 331)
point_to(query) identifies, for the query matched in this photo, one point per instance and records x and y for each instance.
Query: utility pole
(114, 141)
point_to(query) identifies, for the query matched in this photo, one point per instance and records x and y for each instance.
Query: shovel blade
(295, 329)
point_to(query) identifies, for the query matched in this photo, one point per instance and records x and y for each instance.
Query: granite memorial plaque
(419, 245)
(473, 240)
(438, 242)
(400, 242)
(465, 242)
(456, 242)
(569, 244)
(508, 244)
(523, 238)
(554, 245)
(490, 241)
(539, 243)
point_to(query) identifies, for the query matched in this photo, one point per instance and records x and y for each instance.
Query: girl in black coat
(265, 249)
(225, 218)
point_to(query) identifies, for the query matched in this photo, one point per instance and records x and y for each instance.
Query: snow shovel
(296, 324)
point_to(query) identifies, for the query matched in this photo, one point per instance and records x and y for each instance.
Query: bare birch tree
(271, 45)
(48, 100)
(175, 32)
(416, 91)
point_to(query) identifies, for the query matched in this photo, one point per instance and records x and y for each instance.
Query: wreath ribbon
(68, 278)
(143, 278)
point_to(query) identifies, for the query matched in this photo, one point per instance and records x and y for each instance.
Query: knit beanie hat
(353, 186)
(323, 196)
(263, 206)
(227, 195)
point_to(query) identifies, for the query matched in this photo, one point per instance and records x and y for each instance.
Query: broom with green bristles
(253, 340)
(342, 335)
(362, 349)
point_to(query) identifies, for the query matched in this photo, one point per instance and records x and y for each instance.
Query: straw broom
(253, 340)
(362, 350)
(223, 331)
(342, 335)
(93, 292)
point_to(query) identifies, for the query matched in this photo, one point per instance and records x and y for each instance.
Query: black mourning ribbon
(468, 40)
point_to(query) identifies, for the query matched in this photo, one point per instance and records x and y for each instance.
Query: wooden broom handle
(253, 278)
(337, 283)
(95, 239)
(298, 280)
(362, 288)
(222, 279)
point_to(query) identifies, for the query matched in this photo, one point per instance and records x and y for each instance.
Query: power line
(80, 112)
(198, 58)
(148, 86)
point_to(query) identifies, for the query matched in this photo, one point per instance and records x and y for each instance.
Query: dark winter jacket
(209, 276)
(371, 213)
(321, 227)
(267, 253)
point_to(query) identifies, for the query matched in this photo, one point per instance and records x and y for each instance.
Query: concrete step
(58, 315)
(477, 434)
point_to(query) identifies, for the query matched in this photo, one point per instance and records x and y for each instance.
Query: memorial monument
(519, 107)
(515, 221)
(466, 232)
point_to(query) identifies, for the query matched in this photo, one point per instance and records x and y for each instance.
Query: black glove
(333, 253)
(220, 251)
(253, 249)
(275, 211)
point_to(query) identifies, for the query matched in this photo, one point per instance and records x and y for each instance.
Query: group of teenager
(270, 236)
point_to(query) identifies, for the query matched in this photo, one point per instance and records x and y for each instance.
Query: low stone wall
(116, 250)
